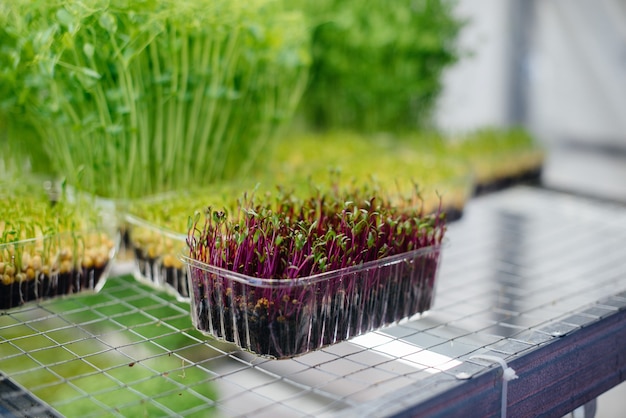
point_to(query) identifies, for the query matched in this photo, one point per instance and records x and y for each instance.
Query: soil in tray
(321, 320)
(17, 293)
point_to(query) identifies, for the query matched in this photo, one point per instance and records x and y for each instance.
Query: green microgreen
(496, 153)
(393, 163)
(50, 243)
(135, 98)
(377, 65)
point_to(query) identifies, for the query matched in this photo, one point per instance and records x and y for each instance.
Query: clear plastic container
(156, 260)
(287, 318)
(56, 265)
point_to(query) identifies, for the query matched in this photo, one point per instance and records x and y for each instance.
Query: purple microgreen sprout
(333, 241)
(292, 238)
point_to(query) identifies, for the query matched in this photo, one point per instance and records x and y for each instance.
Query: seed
(100, 260)
(168, 260)
(9, 269)
(6, 279)
(30, 273)
(36, 262)
(105, 249)
(87, 261)
(25, 260)
(154, 251)
(66, 266)
(171, 261)
(65, 254)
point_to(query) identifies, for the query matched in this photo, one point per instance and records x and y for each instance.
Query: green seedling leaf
(90, 73)
(108, 22)
(89, 50)
(65, 18)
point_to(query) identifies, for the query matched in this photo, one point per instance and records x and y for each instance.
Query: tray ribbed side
(286, 321)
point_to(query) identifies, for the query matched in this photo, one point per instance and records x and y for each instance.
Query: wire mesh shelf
(524, 267)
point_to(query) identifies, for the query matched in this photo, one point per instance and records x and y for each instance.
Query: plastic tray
(55, 265)
(156, 260)
(287, 318)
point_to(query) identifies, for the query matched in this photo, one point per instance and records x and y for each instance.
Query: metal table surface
(533, 277)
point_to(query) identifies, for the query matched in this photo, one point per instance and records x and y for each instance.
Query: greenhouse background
(558, 67)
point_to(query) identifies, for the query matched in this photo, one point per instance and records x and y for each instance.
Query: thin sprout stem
(181, 124)
(173, 88)
(144, 129)
(209, 105)
(131, 139)
(172, 129)
(195, 142)
(158, 121)
(231, 57)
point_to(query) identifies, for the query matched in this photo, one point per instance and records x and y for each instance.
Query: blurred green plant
(498, 155)
(377, 65)
(32, 208)
(50, 244)
(135, 98)
(21, 151)
(311, 163)
(396, 164)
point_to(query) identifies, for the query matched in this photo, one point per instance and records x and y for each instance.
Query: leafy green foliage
(21, 151)
(377, 65)
(135, 98)
(496, 153)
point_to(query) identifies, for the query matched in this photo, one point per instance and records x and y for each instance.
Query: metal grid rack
(525, 271)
